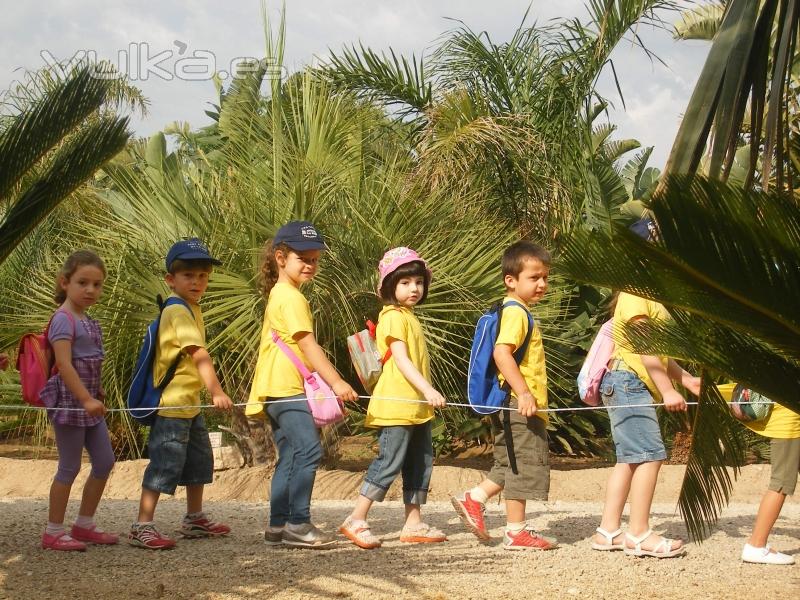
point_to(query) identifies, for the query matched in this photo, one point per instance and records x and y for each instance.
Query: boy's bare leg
(617, 489)
(515, 511)
(490, 488)
(768, 511)
(147, 505)
(194, 498)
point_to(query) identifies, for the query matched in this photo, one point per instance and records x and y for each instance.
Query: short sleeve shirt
(628, 308)
(178, 330)
(513, 329)
(399, 323)
(83, 346)
(289, 314)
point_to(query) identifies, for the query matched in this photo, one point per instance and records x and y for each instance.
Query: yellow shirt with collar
(781, 423)
(178, 330)
(288, 313)
(513, 330)
(628, 308)
(399, 323)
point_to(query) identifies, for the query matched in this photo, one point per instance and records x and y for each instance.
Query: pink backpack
(596, 364)
(35, 362)
(325, 406)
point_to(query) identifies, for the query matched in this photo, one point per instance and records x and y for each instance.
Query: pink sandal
(92, 536)
(61, 541)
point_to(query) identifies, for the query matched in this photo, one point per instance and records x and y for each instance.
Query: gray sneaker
(273, 536)
(307, 535)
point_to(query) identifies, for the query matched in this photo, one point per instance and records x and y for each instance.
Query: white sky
(655, 95)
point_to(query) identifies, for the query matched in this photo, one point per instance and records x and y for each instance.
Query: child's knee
(101, 468)
(67, 472)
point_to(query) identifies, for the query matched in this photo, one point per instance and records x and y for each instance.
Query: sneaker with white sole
(273, 536)
(147, 536)
(765, 556)
(307, 535)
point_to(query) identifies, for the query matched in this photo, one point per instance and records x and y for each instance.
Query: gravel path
(241, 566)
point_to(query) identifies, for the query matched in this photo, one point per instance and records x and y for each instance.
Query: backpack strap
(518, 354)
(162, 304)
(388, 354)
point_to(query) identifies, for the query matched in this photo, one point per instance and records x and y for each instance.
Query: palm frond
(700, 22)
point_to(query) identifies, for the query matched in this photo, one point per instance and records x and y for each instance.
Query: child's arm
(412, 375)
(686, 379)
(202, 360)
(503, 355)
(63, 355)
(316, 356)
(673, 401)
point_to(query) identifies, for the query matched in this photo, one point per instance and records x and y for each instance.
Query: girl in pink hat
(405, 444)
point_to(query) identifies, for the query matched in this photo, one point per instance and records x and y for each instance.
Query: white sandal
(662, 550)
(609, 537)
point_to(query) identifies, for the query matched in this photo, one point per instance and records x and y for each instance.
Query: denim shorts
(406, 450)
(180, 454)
(637, 437)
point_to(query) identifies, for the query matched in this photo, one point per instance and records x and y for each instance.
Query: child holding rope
(634, 379)
(289, 261)
(405, 441)
(77, 344)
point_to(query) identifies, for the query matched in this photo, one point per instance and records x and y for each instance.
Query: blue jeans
(405, 449)
(637, 437)
(180, 454)
(299, 454)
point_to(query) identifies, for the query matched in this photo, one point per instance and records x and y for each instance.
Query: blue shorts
(180, 454)
(637, 437)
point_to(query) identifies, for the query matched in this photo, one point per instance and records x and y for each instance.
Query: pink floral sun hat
(397, 257)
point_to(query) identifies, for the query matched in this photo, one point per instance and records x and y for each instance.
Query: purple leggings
(70, 441)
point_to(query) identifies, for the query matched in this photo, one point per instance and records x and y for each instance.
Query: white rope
(17, 407)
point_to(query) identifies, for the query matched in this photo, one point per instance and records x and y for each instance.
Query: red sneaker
(202, 527)
(147, 536)
(527, 539)
(92, 536)
(61, 541)
(471, 513)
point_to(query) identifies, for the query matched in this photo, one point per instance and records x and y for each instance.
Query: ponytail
(268, 275)
(75, 261)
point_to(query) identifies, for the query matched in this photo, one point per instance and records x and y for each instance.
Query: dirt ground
(241, 566)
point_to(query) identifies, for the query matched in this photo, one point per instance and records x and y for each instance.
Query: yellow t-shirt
(781, 423)
(629, 307)
(177, 331)
(513, 329)
(288, 313)
(399, 323)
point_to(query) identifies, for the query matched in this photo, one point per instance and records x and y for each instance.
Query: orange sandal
(359, 533)
(422, 534)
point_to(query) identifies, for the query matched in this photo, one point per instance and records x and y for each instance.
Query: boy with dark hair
(178, 447)
(526, 267)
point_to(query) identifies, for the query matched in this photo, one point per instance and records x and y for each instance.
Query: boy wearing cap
(178, 446)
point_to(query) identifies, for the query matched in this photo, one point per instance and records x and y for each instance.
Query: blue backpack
(484, 393)
(144, 395)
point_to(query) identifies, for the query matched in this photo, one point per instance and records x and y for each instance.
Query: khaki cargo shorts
(784, 457)
(531, 448)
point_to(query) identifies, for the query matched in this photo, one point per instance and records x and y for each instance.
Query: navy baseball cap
(299, 235)
(191, 249)
(645, 228)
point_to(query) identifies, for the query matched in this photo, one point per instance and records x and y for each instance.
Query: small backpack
(484, 393)
(144, 395)
(749, 406)
(35, 361)
(365, 357)
(595, 364)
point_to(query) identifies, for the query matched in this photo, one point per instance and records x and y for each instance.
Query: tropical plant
(55, 133)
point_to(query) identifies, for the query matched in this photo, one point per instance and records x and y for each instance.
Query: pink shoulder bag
(325, 406)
